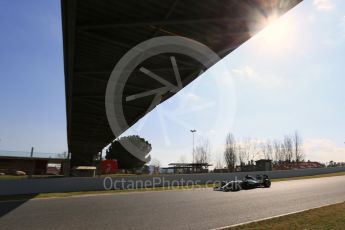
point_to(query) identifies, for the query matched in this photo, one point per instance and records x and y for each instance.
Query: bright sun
(278, 35)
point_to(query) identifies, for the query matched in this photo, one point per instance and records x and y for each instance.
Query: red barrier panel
(109, 166)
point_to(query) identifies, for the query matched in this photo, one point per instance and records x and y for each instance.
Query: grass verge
(69, 194)
(324, 218)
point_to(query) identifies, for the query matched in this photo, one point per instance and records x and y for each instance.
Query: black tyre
(267, 183)
(226, 189)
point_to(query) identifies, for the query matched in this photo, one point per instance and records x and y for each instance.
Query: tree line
(287, 150)
(244, 152)
(236, 152)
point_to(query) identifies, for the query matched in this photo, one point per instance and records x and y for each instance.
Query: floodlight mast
(193, 131)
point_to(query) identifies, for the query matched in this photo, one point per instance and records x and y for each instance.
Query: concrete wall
(90, 184)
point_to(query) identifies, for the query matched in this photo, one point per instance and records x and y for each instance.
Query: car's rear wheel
(267, 183)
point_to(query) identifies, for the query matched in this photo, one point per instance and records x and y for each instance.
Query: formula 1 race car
(249, 182)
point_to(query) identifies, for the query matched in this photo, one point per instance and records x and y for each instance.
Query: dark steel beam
(159, 22)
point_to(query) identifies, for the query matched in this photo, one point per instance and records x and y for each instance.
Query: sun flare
(278, 34)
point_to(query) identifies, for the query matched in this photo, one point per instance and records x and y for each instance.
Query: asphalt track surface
(179, 209)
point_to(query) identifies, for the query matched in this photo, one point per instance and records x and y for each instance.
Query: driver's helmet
(248, 177)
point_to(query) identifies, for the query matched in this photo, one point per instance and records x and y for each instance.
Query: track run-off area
(175, 209)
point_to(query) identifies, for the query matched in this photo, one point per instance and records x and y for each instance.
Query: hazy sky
(288, 77)
(32, 111)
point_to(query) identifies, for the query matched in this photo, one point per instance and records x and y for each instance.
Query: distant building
(294, 165)
(166, 170)
(336, 164)
(250, 167)
(184, 168)
(222, 170)
(29, 165)
(263, 165)
(260, 165)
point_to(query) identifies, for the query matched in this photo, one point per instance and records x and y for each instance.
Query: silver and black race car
(249, 182)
